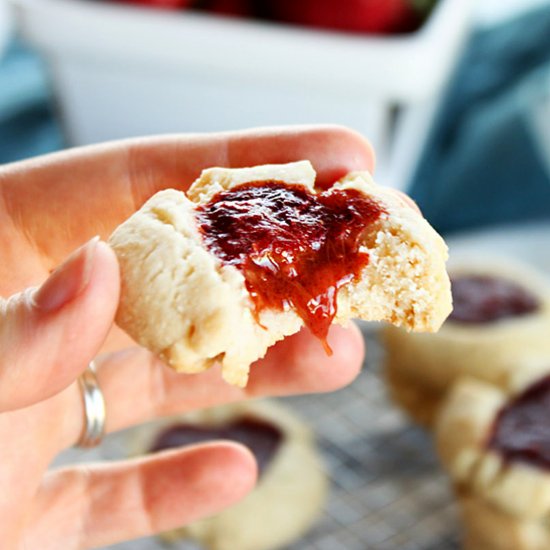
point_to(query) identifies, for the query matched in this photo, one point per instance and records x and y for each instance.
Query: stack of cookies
(483, 385)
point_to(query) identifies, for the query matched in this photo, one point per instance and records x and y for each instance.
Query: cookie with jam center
(496, 449)
(292, 486)
(501, 316)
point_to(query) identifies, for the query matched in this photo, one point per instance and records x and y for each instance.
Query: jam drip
(483, 299)
(521, 432)
(295, 249)
(262, 438)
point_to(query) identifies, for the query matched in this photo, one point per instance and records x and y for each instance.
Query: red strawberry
(239, 8)
(166, 4)
(368, 16)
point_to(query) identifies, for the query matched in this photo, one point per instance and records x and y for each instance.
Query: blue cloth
(485, 160)
(27, 124)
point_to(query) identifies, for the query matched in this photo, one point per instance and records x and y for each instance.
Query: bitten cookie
(496, 449)
(251, 255)
(292, 486)
(501, 315)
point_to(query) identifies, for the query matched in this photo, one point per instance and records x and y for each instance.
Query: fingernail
(68, 280)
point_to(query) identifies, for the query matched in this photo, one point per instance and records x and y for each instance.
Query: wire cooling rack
(387, 492)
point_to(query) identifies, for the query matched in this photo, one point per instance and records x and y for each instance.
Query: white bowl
(122, 71)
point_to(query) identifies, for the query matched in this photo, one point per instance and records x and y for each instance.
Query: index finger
(89, 191)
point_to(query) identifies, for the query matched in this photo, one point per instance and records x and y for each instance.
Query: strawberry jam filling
(296, 249)
(262, 438)
(521, 432)
(483, 299)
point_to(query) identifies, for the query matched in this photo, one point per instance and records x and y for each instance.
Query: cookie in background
(292, 486)
(495, 446)
(500, 318)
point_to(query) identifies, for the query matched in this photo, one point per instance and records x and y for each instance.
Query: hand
(48, 335)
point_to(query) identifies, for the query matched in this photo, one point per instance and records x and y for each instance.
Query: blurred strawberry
(166, 4)
(238, 8)
(367, 16)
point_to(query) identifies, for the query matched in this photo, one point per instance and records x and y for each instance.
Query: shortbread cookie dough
(292, 486)
(251, 255)
(501, 315)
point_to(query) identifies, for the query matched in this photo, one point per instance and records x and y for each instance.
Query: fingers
(96, 505)
(48, 336)
(300, 365)
(96, 188)
(138, 387)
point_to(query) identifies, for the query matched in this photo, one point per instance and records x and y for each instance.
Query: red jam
(483, 299)
(262, 438)
(521, 432)
(295, 248)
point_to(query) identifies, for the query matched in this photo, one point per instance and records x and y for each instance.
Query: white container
(5, 25)
(122, 71)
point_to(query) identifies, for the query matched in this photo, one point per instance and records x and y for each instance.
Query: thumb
(49, 335)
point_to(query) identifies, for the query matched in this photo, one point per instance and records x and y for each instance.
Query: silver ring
(94, 409)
